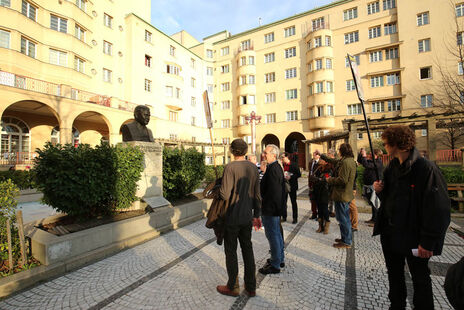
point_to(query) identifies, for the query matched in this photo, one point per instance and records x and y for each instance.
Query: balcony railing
(449, 156)
(17, 158)
(61, 90)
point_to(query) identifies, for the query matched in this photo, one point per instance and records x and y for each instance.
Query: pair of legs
(367, 192)
(420, 274)
(313, 207)
(274, 237)
(323, 211)
(241, 233)
(353, 214)
(342, 214)
(292, 195)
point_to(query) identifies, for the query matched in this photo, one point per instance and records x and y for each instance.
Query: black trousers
(323, 210)
(243, 234)
(420, 274)
(292, 195)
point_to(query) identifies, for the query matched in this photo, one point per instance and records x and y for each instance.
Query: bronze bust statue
(137, 130)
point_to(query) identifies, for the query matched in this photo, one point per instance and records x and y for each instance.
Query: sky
(202, 18)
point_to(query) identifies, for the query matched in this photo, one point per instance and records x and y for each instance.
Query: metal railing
(17, 158)
(449, 156)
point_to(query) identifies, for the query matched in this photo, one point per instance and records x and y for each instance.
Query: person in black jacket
(273, 200)
(321, 194)
(291, 173)
(413, 217)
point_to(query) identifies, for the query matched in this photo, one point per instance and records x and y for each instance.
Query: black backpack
(454, 284)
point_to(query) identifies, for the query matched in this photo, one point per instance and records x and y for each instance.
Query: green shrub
(359, 178)
(453, 174)
(85, 181)
(8, 202)
(210, 175)
(183, 170)
(24, 179)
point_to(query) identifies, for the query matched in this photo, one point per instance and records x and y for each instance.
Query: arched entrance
(295, 146)
(270, 139)
(93, 128)
(55, 136)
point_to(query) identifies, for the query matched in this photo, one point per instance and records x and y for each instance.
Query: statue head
(142, 114)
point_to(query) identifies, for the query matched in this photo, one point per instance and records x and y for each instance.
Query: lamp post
(252, 119)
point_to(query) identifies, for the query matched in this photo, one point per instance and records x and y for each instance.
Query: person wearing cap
(240, 186)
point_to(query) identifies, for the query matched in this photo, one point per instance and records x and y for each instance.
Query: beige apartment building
(71, 71)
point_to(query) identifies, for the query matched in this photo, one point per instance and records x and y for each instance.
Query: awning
(173, 107)
(330, 137)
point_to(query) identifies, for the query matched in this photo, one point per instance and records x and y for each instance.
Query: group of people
(409, 201)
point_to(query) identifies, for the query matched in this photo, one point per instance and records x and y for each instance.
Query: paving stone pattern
(181, 269)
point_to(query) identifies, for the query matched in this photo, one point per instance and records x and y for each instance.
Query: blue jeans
(342, 214)
(274, 237)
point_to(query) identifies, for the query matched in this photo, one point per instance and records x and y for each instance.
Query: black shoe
(268, 263)
(314, 216)
(294, 222)
(354, 229)
(284, 219)
(267, 269)
(332, 214)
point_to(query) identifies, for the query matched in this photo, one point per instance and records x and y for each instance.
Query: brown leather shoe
(250, 293)
(371, 224)
(341, 245)
(225, 290)
(338, 240)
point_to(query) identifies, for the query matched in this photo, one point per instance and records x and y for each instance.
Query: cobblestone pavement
(180, 270)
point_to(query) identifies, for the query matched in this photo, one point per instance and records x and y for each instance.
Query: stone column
(308, 155)
(65, 135)
(353, 137)
(432, 139)
(115, 138)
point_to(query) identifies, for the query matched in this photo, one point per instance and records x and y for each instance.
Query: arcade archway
(295, 146)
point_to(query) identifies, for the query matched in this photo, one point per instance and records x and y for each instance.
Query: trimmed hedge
(183, 171)
(87, 182)
(24, 179)
(453, 174)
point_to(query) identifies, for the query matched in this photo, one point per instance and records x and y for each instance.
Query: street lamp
(252, 119)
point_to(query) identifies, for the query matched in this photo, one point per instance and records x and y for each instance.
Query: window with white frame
(169, 91)
(192, 63)
(209, 53)
(251, 60)
(393, 78)
(330, 110)
(290, 52)
(178, 93)
(225, 51)
(173, 116)
(107, 20)
(291, 94)
(319, 87)
(79, 32)
(243, 61)
(350, 85)
(107, 48)
(193, 121)
(147, 86)
(269, 97)
(270, 57)
(318, 63)
(5, 3)
(377, 134)
(269, 37)
(377, 107)
(4, 39)
(225, 140)
(391, 53)
(389, 29)
(424, 132)
(394, 105)
(58, 24)
(389, 4)
(310, 89)
(107, 75)
(28, 47)
(310, 67)
(351, 37)
(317, 41)
(58, 58)
(290, 73)
(377, 81)
(328, 41)
(225, 86)
(173, 136)
(424, 45)
(269, 77)
(292, 116)
(193, 82)
(318, 23)
(225, 68)
(360, 135)
(210, 88)
(328, 63)
(251, 79)
(425, 73)
(242, 120)
(374, 32)
(460, 36)
(225, 105)
(459, 9)
(460, 68)
(209, 71)
(290, 31)
(347, 61)
(245, 45)
(147, 60)
(270, 118)
(172, 50)
(308, 45)
(354, 109)
(225, 123)
(147, 36)
(373, 7)
(329, 87)
(242, 80)
(193, 101)
(423, 19)
(27, 9)
(320, 111)
(81, 4)
(426, 101)
(375, 56)
(79, 64)
(350, 13)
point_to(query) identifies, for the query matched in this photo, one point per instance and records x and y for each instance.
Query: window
(251, 99)
(347, 62)
(460, 36)
(28, 47)
(459, 9)
(192, 63)
(173, 116)
(251, 60)
(147, 61)
(310, 67)
(328, 63)
(425, 73)
(269, 37)
(377, 134)
(424, 45)
(173, 136)
(225, 51)
(107, 20)
(309, 44)
(319, 111)
(209, 71)
(389, 28)
(147, 36)
(209, 53)
(172, 50)
(389, 4)
(391, 53)
(269, 97)
(242, 80)
(4, 39)
(329, 87)
(318, 64)
(328, 41)
(192, 82)
(107, 48)
(290, 73)
(225, 105)
(243, 61)
(350, 13)
(424, 132)
(225, 140)
(5, 3)
(330, 110)
(351, 37)
(460, 68)
(251, 79)
(423, 19)
(290, 31)
(147, 85)
(350, 85)
(354, 109)
(270, 118)
(319, 87)
(225, 69)
(373, 7)
(269, 57)
(360, 135)
(210, 88)
(225, 86)
(15, 137)
(193, 101)
(317, 41)
(290, 52)
(169, 91)
(245, 45)
(374, 32)
(172, 69)
(79, 64)
(377, 81)
(58, 58)
(377, 107)
(28, 10)
(178, 93)
(291, 94)
(81, 4)
(58, 24)
(394, 105)
(393, 79)
(107, 75)
(225, 123)
(375, 56)
(318, 23)
(79, 32)
(426, 101)
(269, 77)
(193, 121)
(292, 116)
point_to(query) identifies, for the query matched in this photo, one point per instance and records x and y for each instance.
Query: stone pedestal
(150, 186)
